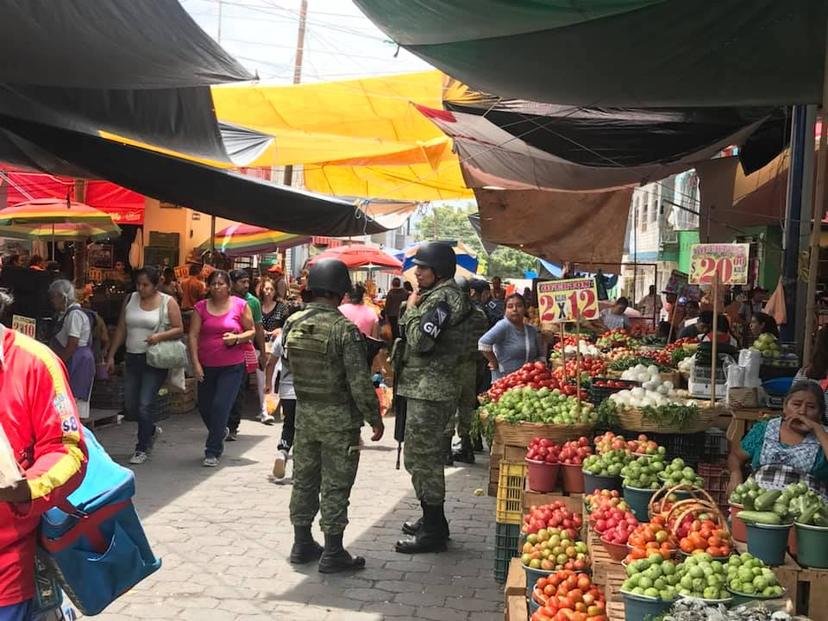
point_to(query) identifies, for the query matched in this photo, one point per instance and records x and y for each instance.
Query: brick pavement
(224, 535)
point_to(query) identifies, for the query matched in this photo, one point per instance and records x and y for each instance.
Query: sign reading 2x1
(566, 300)
(728, 261)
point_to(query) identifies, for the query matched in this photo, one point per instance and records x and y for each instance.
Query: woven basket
(521, 434)
(632, 419)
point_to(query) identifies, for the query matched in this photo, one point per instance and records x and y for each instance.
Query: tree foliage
(452, 222)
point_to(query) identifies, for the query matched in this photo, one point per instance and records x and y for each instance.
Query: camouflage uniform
(437, 341)
(327, 356)
(478, 326)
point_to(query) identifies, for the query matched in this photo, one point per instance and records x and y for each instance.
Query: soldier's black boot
(305, 549)
(466, 453)
(335, 558)
(447, 451)
(433, 535)
(413, 527)
(477, 443)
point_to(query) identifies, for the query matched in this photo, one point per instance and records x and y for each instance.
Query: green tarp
(620, 53)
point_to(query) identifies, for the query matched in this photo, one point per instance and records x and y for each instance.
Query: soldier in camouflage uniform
(327, 355)
(478, 326)
(435, 327)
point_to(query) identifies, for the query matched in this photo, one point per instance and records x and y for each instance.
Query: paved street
(224, 535)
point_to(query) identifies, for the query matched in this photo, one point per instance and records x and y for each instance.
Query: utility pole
(297, 67)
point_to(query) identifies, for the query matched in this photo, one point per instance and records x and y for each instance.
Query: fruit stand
(596, 519)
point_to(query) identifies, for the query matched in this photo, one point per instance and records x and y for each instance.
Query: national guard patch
(433, 322)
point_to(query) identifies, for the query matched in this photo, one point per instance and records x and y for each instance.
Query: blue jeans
(216, 395)
(17, 612)
(141, 385)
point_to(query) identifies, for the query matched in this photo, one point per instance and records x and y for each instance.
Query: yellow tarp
(354, 137)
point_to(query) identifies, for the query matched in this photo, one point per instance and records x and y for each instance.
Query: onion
(652, 369)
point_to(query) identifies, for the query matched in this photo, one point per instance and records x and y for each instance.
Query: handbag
(166, 354)
(251, 359)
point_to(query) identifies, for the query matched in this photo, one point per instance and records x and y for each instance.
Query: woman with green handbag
(148, 318)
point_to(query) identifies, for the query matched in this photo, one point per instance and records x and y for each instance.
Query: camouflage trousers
(462, 417)
(323, 467)
(424, 458)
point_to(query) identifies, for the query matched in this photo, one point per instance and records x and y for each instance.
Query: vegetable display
(609, 441)
(652, 392)
(630, 362)
(702, 576)
(748, 575)
(679, 473)
(541, 449)
(700, 535)
(654, 577)
(617, 337)
(590, 367)
(697, 610)
(565, 596)
(540, 406)
(553, 515)
(796, 503)
(652, 537)
(642, 472)
(552, 549)
(607, 464)
(574, 452)
(532, 374)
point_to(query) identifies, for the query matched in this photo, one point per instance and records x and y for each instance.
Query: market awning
(492, 156)
(203, 188)
(583, 227)
(239, 240)
(645, 53)
(352, 137)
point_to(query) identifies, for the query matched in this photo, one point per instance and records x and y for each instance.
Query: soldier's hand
(379, 429)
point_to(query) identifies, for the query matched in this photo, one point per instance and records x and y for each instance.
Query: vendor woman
(787, 449)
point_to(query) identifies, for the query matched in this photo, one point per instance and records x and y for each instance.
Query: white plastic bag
(9, 470)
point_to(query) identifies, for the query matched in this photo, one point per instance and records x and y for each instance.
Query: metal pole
(803, 227)
(816, 226)
(212, 237)
(297, 67)
(793, 212)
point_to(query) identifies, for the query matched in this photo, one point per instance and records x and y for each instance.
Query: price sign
(182, 271)
(24, 325)
(95, 274)
(728, 261)
(567, 300)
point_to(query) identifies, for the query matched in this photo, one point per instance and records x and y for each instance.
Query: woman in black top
(274, 312)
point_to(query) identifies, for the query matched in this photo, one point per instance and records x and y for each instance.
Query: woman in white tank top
(139, 327)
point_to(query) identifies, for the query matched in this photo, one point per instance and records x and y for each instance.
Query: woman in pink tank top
(219, 328)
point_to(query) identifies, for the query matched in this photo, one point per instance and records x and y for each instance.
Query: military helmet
(439, 257)
(329, 275)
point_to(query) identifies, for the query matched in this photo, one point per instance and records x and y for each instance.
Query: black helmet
(439, 257)
(329, 276)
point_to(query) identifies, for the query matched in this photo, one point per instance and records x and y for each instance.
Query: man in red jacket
(38, 416)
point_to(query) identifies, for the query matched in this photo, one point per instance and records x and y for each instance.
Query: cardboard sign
(728, 261)
(95, 274)
(182, 272)
(24, 325)
(567, 300)
(678, 284)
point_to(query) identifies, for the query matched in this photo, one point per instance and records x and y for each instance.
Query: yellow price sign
(727, 261)
(24, 325)
(567, 300)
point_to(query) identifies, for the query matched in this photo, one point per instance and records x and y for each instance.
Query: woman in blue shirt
(790, 448)
(511, 342)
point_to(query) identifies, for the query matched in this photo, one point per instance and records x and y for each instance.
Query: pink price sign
(729, 262)
(567, 300)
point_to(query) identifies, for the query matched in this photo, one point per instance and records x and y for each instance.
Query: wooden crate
(514, 453)
(615, 611)
(573, 502)
(515, 580)
(807, 588)
(494, 467)
(516, 609)
(606, 571)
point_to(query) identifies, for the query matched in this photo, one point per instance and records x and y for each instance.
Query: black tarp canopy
(81, 79)
(636, 53)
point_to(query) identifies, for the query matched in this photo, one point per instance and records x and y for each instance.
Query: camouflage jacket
(437, 337)
(327, 356)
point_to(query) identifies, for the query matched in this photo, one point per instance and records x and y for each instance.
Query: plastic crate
(511, 480)
(715, 445)
(689, 446)
(597, 395)
(716, 478)
(507, 540)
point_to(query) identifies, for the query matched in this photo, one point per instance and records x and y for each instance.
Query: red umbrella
(357, 256)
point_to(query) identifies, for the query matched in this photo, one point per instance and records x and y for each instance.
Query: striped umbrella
(57, 220)
(245, 239)
(466, 260)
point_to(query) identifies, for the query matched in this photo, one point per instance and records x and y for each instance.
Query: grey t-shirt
(613, 321)
(512, 347)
